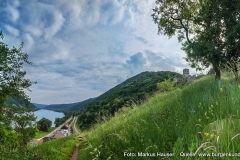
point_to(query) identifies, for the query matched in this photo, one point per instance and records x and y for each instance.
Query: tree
(44, 124)
(206, 47)
(166, 85)
(230, 16)
(217, 42)
(214, 29)
(17, 125)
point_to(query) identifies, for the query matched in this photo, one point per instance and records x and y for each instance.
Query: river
(51, 115)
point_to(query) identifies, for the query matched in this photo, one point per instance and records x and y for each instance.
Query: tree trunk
(217, 73)
(235, 72)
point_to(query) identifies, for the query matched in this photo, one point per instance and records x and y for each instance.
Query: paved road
(74, 126)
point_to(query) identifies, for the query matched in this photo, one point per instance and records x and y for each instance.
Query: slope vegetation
(200, 119)
(133, 91)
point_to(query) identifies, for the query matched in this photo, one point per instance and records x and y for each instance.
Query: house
(65, 129)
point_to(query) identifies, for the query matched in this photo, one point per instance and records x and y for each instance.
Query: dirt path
(75, 153)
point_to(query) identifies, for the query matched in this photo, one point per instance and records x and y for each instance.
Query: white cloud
(44, 20)
(28, 42)
(13, 31)
(13, 13)
(80, 49)
(112, 12)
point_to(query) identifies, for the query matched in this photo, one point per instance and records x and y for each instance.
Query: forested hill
(60, 107)
(132, 91)
(80, 106)
(39, 106)
(20, 102)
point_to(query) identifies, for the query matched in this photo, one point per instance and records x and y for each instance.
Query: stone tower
(185, 73)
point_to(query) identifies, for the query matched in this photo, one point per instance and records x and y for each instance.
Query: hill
(60, 107)
(80, 106)
(200, 119)
(70, 107)
(20, 102)
(39, 106)
(133, 91)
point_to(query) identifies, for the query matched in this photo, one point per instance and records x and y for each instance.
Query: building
(185, 77)
(65, 129)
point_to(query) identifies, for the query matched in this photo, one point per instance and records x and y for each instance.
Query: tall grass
(203, 117)
(58, 149)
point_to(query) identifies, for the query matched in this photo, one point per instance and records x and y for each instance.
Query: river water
(51, 115)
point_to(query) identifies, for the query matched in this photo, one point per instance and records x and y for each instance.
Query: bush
(166, 85)
(44, 124)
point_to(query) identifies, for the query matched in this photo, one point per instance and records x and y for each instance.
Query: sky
(82, 48)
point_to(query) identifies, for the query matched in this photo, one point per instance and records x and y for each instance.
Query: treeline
(59, 121)
(132, 91)
(80, 106)
(60, 107)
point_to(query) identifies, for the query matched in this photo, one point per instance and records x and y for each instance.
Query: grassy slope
(134, 90)
(59, 149)
(40, 134)
(180, 121)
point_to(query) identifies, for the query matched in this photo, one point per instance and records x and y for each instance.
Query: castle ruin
(185, 77)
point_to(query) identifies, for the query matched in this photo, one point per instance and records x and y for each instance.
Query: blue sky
(82, 48)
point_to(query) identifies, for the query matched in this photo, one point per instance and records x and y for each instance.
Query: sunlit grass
(59, 149)
(203, 117)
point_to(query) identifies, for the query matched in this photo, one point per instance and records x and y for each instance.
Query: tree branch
(183, 26)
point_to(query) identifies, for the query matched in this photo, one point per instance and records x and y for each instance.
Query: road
(74, 125)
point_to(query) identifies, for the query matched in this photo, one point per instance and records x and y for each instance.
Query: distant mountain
(133, 91)
(60, 107)
(80, 106)
(39, 106)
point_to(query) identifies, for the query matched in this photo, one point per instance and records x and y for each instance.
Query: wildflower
(199, 105)
(212, 135)
(221, 89)
(206, 134)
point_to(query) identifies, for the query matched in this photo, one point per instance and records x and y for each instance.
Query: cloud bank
(81, 49)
